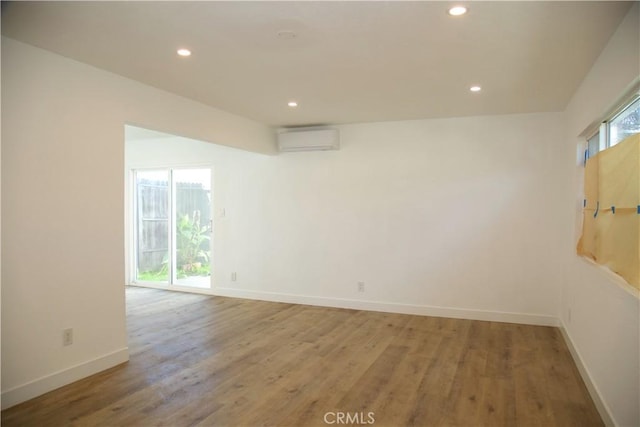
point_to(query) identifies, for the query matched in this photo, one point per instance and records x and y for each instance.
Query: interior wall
(450, 215)
(62, 209)
(600, 314)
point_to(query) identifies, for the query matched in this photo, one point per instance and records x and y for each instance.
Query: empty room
(316, 213)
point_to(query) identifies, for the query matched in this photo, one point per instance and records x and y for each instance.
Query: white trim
(177, 288)
(601, 405)
(140, 166)
(612, 276)
(61, 378)
(421, 310)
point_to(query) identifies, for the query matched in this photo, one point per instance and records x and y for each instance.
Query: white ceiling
(348, 62)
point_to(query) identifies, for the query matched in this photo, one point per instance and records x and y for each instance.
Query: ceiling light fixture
(287, 34)
(457, 10)
(184, 52)
(475, 88)
(292, 104)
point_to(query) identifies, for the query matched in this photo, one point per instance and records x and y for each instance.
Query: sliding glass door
(152, 226)
(173, 224)
(192, 227)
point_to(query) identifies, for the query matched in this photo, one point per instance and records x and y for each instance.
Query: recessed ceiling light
(287, 34)
(184, 52)
(457, 10)
(475, 88)
(292, 104)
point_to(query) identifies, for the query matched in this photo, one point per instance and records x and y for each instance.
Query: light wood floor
(210, 361)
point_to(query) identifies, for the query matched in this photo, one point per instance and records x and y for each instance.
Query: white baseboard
(421, 310)
(58, 379)
(601, 406)
(61, 378)
(173, 288)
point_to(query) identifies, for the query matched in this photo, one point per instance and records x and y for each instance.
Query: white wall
(62, 209)
(447, 217)
(600, 315)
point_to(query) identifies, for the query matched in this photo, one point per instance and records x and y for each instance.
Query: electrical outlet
(234, 276)
(360, 286)
(67, 337)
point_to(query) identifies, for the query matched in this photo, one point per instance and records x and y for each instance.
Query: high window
(611, 214)
(619, 126)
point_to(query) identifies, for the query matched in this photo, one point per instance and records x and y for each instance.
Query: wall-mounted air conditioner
(309, 140)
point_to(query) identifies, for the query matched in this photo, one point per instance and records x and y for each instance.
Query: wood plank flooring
(211, 361)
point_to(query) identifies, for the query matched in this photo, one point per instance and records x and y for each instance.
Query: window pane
(594, 145)
(625, 124)
(152, 243)
(193, 227)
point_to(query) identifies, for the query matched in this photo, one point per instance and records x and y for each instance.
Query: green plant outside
(153, 276)
(192, 259)
(191, 237)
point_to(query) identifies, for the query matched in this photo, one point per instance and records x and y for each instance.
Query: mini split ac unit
(309, 140)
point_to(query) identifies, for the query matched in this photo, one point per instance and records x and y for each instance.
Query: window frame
(603, 131)
(600, 127)
(628, 106)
